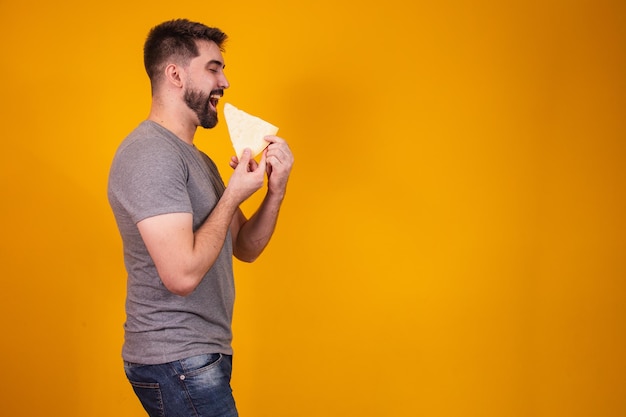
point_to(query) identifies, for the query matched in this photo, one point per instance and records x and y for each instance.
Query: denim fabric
(198, 386)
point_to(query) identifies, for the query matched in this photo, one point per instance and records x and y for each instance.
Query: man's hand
(278, 161)
(250, 236)
(247, 178)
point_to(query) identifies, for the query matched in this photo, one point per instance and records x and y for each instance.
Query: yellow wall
(453, 239)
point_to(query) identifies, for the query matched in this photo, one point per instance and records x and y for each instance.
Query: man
(181, 226)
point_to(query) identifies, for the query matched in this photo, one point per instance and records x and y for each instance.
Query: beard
(200, 104)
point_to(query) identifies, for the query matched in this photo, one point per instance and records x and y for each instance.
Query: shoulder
(148, 146)
(147, 139)
(149, 174)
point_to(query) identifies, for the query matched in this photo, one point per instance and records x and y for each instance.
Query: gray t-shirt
(154, 172)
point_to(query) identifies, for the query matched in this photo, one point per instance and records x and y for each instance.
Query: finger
(253, 164)
(274, 161)
(234, 161)
(245, 158)
(263, 162)
(280, 148)
(274, 139)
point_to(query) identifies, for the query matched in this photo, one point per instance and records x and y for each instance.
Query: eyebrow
(216, 62)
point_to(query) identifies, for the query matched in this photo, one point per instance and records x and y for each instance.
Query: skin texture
(181, 256)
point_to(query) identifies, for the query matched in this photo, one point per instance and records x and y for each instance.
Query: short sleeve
(148, 178)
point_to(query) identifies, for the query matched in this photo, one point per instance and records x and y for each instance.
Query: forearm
(256, 232)
(183, 277)
(209, 238)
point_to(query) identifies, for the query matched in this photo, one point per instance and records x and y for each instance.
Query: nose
(223, 82)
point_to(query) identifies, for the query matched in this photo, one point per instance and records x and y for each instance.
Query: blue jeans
(198, 386)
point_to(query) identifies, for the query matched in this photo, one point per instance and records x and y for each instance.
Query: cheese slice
(247, 131)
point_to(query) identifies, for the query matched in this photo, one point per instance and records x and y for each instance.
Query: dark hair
(176, 40)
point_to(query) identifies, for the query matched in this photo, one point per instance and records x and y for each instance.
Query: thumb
(244, 159)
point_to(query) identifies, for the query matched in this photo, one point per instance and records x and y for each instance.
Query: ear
(173, 75)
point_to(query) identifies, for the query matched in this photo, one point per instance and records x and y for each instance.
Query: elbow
(182, 292)
(181, 286)
(245, 257)
(248, 253)
(248, 260)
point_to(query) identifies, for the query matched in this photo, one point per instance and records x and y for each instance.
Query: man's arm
(183, 257)
(251, 236)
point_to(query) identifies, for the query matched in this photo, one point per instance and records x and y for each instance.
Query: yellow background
(452, 242)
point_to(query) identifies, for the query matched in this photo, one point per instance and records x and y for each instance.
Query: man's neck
(174, 121)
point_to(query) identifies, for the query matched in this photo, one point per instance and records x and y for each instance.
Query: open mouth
(214, 98)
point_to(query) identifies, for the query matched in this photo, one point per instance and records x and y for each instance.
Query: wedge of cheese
(247, 131)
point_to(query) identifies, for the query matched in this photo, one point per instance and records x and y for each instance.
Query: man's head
(176, 41)
(185, 59)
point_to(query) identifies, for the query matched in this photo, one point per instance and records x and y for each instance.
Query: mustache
(217, 92)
